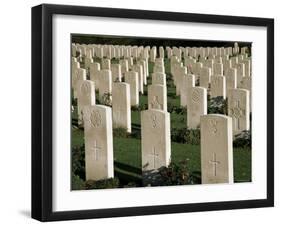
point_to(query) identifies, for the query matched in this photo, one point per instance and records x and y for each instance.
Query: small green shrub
(243, 140)
(178, 135)
(217, 105)
(130, 185)
(171, 95)
(120, 132)
(193, 136)
(184, 135)
(77, 183)
(78, 161)
(176, 109)
(175, 174)
(139, 107)
(102, 184)
(106, 99)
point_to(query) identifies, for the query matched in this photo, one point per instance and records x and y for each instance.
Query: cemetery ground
(185, 146)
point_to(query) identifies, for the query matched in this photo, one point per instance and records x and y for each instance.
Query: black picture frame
(42, 111)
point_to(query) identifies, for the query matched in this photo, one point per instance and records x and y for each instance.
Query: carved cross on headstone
(214, 162)
(154, 155)
(96, 150)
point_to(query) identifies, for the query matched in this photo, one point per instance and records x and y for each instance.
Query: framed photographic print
(146, 112)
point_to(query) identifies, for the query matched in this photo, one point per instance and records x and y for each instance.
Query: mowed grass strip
(127, 151)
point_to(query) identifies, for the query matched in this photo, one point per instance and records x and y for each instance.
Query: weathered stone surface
(157, 97)
(105, 64)
(218, 86)
(85, 97)
(124, 66)
(218, 69)
(138, 69)
(197, 106)
(159, 78)
(239, 109)
(121, 106)
(155, 139)
(188, 81)
(230, 79)
(98, 142)
(116, 72)
(180, 74)
(216, 149)
(205, 77)
(78, 74)
(131, 77)
(240, 73)
(94, 74)
(105, 84)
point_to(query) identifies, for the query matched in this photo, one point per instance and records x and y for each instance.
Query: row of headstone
(216, 144)
(195, 98)
(211, 60)
(219, 80)
(238, 103)
(200, 53)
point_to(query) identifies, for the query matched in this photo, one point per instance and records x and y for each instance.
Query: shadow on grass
(127, 174)
(128, 168)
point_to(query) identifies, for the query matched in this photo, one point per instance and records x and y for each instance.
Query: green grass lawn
(127, 151)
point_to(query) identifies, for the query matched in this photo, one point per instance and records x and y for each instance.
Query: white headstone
(152, 55)
(240, 73)
(155, 139)
(138, 69)
(94, 74)
(218, 69)
(181, 72)
(105, 64)
(159, 78)
(216, 149)
(161, 52)
(105, 83)
(217, 86)
(197, 106)
(88, 62)
(205, 77)
(247, 63)
(246, 83)
(116, 72)
(124, 66)
(85, 97)
(143, 65)
(98, 142)
(78, 74)
(239, 109)
(131, 77)
(121, 106)
(230, 79)
(188, 81)
(234, 61)
(157, 97)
